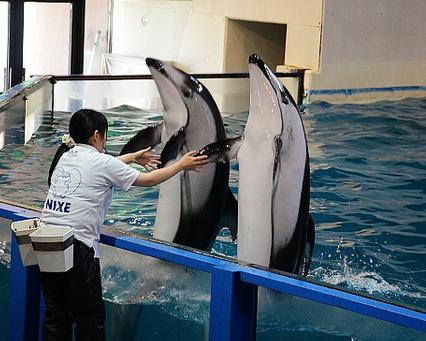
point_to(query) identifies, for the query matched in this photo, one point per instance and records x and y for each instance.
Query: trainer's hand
(191, 162)
(147, 160)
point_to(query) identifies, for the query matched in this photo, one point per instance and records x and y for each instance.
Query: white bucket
(22, 230)
(54, 248)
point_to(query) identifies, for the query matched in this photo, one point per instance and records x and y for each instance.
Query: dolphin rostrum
(192, 206)
(275, 228)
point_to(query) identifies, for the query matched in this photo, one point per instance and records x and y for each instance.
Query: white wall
(348, 45)
(303, 20)
(373, 44)
(196, 35)
(244, 38)
(169, 31)
(193, 34)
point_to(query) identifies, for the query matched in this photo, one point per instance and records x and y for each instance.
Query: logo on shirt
(64, 182)
(59, 206)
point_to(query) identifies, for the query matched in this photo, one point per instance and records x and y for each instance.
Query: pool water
(368, 191)
(368, 186)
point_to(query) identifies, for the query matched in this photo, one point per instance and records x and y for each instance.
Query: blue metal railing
(233, 289)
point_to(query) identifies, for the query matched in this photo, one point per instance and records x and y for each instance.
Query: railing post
(16, 46)
(77, 36)
(232, 306)
(24, 301)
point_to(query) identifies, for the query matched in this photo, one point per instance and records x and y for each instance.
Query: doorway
(247, 37)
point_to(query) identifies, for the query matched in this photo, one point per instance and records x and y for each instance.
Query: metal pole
(16, 43)
(77, 36)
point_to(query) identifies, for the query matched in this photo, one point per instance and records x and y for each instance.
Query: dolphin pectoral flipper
(148, 137)
(173, 147)
(230, 214)
(222, 150)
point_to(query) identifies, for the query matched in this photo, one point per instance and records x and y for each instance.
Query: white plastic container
(22, 230)
(54, 248)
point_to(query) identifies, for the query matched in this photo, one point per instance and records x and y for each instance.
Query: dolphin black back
(199, 229)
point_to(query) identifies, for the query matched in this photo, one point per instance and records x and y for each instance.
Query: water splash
(371, 282)
(128, 279)
(5, 247)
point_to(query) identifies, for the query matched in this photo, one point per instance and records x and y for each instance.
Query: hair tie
(68, 140)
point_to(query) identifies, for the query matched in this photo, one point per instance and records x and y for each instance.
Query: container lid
(51, 234)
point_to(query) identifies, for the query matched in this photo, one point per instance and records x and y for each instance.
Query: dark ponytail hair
(82, 126)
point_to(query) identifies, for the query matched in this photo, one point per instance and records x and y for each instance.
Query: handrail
(300, 74)
(22, 90)
(295, 74)
(234, 285)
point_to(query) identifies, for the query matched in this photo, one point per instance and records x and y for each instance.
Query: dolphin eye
(187, 92)
(285, 99)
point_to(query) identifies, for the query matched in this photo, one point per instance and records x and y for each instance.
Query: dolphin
(275, 228)
(192, 206)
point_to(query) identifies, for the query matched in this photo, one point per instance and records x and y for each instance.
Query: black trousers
(72, 297)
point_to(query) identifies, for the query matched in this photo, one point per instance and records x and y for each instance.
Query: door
(47, 38)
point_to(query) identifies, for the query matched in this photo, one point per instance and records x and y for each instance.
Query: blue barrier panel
(25, 297)
(337, 298)
(25, 294)
(233, 289)
(271, 280)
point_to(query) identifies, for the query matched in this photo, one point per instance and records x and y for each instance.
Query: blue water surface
(368, 190)
(368, 193)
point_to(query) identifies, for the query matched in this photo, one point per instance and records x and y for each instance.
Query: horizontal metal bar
(175, 254)
(17, 212)
(297, 74)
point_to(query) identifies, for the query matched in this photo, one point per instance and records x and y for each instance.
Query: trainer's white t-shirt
(81, 191)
